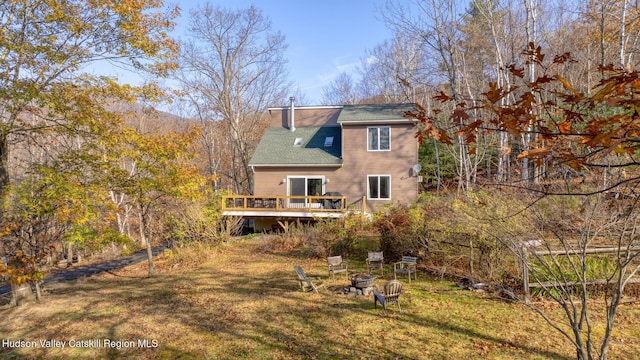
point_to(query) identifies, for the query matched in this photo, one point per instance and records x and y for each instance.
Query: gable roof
(276, 148)
(374, 113)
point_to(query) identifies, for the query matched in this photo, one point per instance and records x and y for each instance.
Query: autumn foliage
(568, 127)
(559, 132)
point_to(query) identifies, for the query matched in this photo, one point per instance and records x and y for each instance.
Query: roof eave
(377, 122)
(316, 107)
(296, 165)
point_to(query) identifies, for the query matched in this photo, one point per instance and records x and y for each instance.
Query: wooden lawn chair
(391, 295)
(337, 265)
(406, 266)
(305, 283)
(375, 260)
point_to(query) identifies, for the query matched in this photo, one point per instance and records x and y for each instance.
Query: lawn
(241, 302)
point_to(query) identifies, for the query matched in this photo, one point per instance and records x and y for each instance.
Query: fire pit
(361, 284)
(362, 280)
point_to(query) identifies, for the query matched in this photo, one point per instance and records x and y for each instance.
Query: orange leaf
(459, 115)
(470, 138)
(494, 94)
(565, 127)
(442, 97)
(518, 72)
(568, 86)
(534, 152)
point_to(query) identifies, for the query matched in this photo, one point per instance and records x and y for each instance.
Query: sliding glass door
(304, 186)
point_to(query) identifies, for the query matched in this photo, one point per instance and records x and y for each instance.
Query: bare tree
(396, 71)
(579, 251)
(340, 91)
(596, 246)
(590, 215)
(437, 25)
(233, 68)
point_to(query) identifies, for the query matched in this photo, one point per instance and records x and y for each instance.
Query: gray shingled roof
(373, 113)
(276, 147)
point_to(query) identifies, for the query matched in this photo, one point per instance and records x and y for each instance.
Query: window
(379, 138)
(328, 141)
(379, 187)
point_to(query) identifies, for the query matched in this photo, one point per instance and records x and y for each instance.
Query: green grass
(241, 302)
(568, 267)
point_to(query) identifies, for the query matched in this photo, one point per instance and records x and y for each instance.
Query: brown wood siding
(397, 162)
(351, 179)
(268, 179)
(305, 117)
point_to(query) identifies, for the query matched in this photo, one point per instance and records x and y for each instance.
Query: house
(322, 161)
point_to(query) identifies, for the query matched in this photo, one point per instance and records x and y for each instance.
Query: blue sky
(325, 37)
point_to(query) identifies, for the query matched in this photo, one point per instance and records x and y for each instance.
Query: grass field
(240, 302)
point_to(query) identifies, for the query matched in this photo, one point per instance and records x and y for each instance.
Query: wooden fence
(526, 253)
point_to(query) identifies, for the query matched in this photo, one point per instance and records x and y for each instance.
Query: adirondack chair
(391, 295)
(337, 265)
(375, 260)
(305, 283)
(406, 266)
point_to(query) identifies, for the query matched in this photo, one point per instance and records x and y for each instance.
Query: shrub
(201, 222)
(281, 243)
(322, 237)
(475, 235)
(402, 231)
(188, 254)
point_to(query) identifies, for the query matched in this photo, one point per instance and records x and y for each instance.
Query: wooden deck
(291, 206)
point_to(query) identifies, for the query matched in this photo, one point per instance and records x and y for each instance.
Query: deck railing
(289, 203)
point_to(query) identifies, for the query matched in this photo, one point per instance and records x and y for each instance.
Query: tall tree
(437, 25)
(396, 71)
(162, 168)
(487, 44)
(45, 45)
(233, 67)
(341, 90)
(577, 131)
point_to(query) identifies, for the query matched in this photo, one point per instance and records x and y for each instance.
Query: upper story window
(379, 138)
